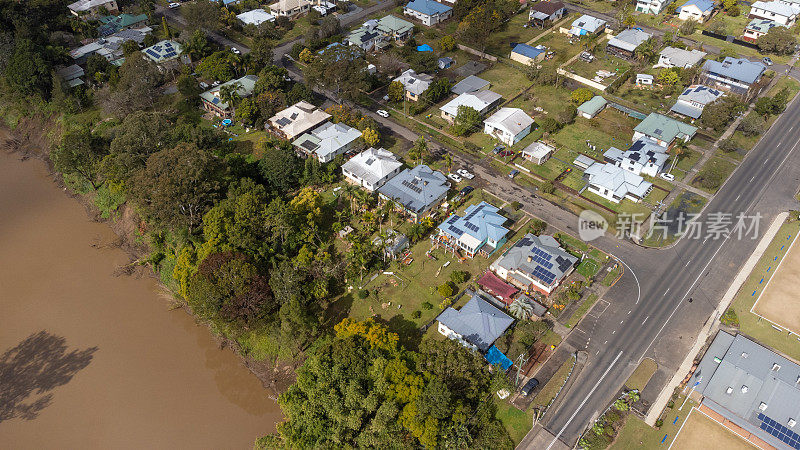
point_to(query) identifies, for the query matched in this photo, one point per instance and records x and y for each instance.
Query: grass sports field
(699, 432)
(779, 302)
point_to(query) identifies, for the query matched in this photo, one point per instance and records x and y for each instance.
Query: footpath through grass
(637, 434)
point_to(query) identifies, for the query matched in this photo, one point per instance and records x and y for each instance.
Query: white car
(382, 113)
(668, 176)
(465, 173)
(236, 51)
(454, 177)
(174, 5)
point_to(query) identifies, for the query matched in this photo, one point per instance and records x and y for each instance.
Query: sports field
(699, 432)
(779, 302)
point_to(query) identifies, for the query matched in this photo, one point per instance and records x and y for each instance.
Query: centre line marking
(645, 320)
(687, 263)
(737, 197)
(665, 292)
(751, 179)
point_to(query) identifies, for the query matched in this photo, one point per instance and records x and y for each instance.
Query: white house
(651, 6)
(697, 10)
(327, 141)
(757, 28)
(481, 101)
(289, 8)
(775, 11)
(509, 125)
(538, 152)
(371, 168)
(590, 108)
(414, 84)
(693, 99)
(678, 57)
(93, 7)
(255, 17)
(297, 119)
(663, 130)
(615, 183)
(587, 25)
(644, 79)
(645, 156)
(428, 12)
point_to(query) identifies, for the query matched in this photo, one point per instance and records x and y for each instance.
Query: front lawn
(602, 61)
(712, 176)
(517, 423)
(548, 393)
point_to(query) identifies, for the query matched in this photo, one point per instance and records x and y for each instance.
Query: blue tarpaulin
(495, 356)
(424, 48)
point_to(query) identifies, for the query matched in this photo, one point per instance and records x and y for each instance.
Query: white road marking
(737, 197)
(751, 179)
(638, 287)
(585, 400)
(645, 320)
(629, 312)
(665, 292)
(687, 263)
(620, 322)
(614, 332)
(765, 161)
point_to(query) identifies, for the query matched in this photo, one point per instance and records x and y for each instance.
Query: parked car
(529, 386)
(383, 113)
(767, 60)
(505, 153)
(513, 173)
(498, 149)
(454, 177)
(466, 190)
(668, 176)
(586, 56)
(465, 173)
(174, 5)
(235, 51)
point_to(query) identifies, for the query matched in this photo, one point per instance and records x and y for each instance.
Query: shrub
(447, 42)
(549, 125)
(427, 305)
(446, 290)
(730, 318)
(548, 187)
(516, 206)
(728, 146)
(459, 276)
(659, 423)
(537, 226)
(416, 314)
(688, 27)
(363, 293)
(752, 125)
(472, 147)
(581, 95)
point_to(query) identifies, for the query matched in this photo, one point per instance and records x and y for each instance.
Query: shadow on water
(36, 366)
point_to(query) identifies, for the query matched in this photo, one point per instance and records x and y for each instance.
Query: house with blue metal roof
(479, 231)
(429, 12)
(476, 325)
(737, 75)
(526, 54)
(697, 10)
(416, 191)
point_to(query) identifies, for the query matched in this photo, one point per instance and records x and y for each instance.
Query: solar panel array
(411, 186)
(472, 226)
(453, 219)
(776, 429)
(544, 274)
(542, 258)
(455, 230)
(152, 53)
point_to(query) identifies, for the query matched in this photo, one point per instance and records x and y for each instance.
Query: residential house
(757, 28)
(297, 119)
(367, 38)
(697, 10)
(110, 47)
(776, 11)
(414, 84)
(644, 79)
(395, 29)
(476, 325)
(163, 51)
(587, 25)
(481, 101)
(645, 156)
(327, 141)
(543, 12)
(71, 75)
(538, 152)
(470, 84)
(651, 6)
(678, 57)
(535, 264)
(416, 191)
(445, 63)
(527, 55)
(736, 75)
(694, 98)
(255, 17)
(664, 130)
(590, 108)
(393, 243)
(112, 24)
(215, 104)
(91, 8)
(751, 389)
(509, 125)
(289, 8)
(428, 12)
(371, 168)
(625, 44)
(479, 231)
(615, 183)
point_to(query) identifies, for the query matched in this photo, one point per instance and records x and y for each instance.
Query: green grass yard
(548, 393)
(637, 434)
(517, 423)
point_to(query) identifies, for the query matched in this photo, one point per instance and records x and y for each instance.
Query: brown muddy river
(93, 360)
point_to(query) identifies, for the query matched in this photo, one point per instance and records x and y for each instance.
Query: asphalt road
(642, 308)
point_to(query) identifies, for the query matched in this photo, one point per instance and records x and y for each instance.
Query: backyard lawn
(610, 128)
(499, 42)
(506, 80)
(602, 61)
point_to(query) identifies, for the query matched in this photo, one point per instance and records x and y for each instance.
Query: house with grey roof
(737, 75)
(481, 101)
(590, 108)
(297, 119)
(414, 84)
(545, 11)
(664, 130)
(476, 325)
(644, 156)
(91, 8)
(535, 264)
(757, 28)
(371, 168)
(469, 84)
(214, 103)
(753, 387)
(71, 75)
(392, 242)
(625, 43)
(110, 47)
(586, 25)
(538, 152)
(327, 141)
(416, 191)
(693, 100)
(445, 62)
(678, 57)
(509, 125)
(776, 11)
(479, 231)
(255, 17)
(163, 51)
(615, 183)
(289, 8)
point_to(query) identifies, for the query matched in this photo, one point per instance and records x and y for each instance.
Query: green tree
(137, 87)
(437, 91)
(217, 66)
(77, 156)
(371, 137)
(521, 308)
(778, 40)
(396, 91)
(467, 120)
(279, 166)
(581, 95)
(447, 43)
(197, 45)
(446, 290)
(668, 77)
(201, 15)
(339, 70)
(419, 150)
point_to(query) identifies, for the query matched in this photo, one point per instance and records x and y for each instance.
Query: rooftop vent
(745, 355)
(792, 423)
(729, 391)
(744, 389)
(762, 406)
(776, 367)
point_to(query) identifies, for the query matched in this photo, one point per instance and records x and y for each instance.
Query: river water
(93, 360)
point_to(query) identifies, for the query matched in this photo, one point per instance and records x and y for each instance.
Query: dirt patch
(779, 302)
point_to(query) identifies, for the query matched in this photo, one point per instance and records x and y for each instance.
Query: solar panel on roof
(471, 226)
(283, 121)
(781, 432)
(152, 53)
(452, 220)
(308, 145)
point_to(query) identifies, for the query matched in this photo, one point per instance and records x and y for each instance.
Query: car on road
(513, 173)
(498, 149)
(529, 386)
(767, 60)
(465, 173)
(466, 190)
(382, 113)
(236, 51)
(174, 5)
(668, 176)
(454, 177)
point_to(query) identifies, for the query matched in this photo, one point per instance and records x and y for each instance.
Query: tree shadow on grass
(36, 366)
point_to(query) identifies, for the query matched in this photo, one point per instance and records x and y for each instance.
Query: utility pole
(521, 360)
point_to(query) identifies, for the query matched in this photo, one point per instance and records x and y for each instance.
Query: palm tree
(521, 308)
(415, 232)
(388, 207)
